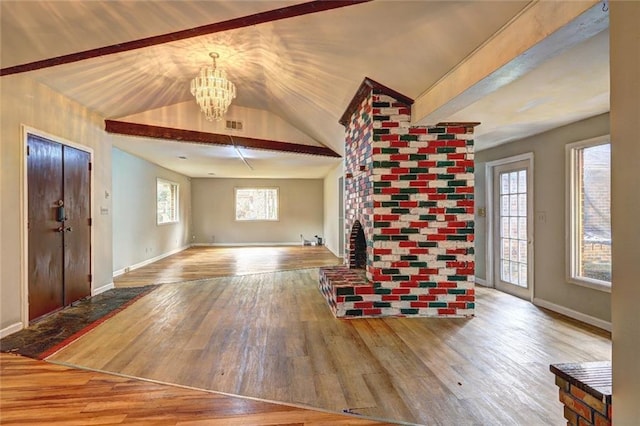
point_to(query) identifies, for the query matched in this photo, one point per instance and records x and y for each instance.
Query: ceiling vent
(234, 125)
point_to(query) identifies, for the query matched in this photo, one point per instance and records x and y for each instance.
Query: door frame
(490, 203)
(24, 209)
(342, 239)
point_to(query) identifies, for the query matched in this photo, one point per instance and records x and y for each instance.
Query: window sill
(257, 220)
(592, 284)
(168, 223)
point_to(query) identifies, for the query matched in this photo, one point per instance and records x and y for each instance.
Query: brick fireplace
(409, 222)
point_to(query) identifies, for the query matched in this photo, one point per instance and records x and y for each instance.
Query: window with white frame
(167, 201)
(256, 204)
(590, 212)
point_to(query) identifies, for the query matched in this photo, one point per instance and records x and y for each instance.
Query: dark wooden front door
(77, 235)
(58, 180)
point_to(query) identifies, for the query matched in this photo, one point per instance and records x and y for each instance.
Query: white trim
(119, 272)
(592, 284)
(13, 328)
(596, 322)
(571, 234)
(489, 201)
(102, 289)
(267, 244)
(481, 282)
(24, 209)
(149, 261)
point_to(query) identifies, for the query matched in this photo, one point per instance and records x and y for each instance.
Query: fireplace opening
(358, 247)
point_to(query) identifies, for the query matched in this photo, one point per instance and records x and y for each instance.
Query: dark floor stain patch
(53, 331)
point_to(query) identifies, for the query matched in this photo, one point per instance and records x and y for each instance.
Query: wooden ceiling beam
(231, 24)
(192, 136)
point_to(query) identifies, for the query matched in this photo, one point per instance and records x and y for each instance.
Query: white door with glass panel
(512, 228)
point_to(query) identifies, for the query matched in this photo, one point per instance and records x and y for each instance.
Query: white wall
(331, 208)
(136, 235)
(549, 197)
(625, 160)
(300, 211)
(23, 101)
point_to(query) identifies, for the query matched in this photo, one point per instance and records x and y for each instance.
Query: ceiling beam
(231, 24)
(542, 30)
(192, 136)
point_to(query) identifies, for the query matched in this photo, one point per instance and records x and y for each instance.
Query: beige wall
(24, 101)
(549, 197)
(300, 212)
(136, 235)
(331, 208)
(625, 157)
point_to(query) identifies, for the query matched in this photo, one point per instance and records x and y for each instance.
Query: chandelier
(212, 90)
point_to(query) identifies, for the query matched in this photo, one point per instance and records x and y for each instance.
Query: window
(589, 213)
(256, 203)
(167, 201)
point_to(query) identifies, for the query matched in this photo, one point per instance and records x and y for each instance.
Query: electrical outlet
(541, 217)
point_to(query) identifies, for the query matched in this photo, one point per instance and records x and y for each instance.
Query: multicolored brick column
(411, 190)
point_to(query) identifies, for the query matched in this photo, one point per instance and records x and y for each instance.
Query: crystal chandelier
(212, 90)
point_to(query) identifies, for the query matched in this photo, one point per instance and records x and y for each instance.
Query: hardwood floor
(38, 393)
(271, 336)
(207, 262)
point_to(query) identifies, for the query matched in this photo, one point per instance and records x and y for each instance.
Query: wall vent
(234, 125)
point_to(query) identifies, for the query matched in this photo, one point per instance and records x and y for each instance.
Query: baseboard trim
(481, 282)
(297, 243)
(102, 289)
(13, 328)
(596, 322)
(119, 272)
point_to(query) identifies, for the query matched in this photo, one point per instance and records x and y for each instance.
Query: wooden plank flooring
(207, 262)
(271, 336)
(39, 393)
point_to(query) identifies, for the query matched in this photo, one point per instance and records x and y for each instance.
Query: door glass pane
(504, 183)
(513, 205)
(522, 204)
(522, 252)
(505, 248)
(515, 269)
(505, 271)
(522, 181)
(522, 228)
(513, 227)
(504, 205)
(513, 256)
(523, 274)
(513, 183)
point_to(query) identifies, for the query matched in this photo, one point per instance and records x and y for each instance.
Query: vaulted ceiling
(295, 75)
